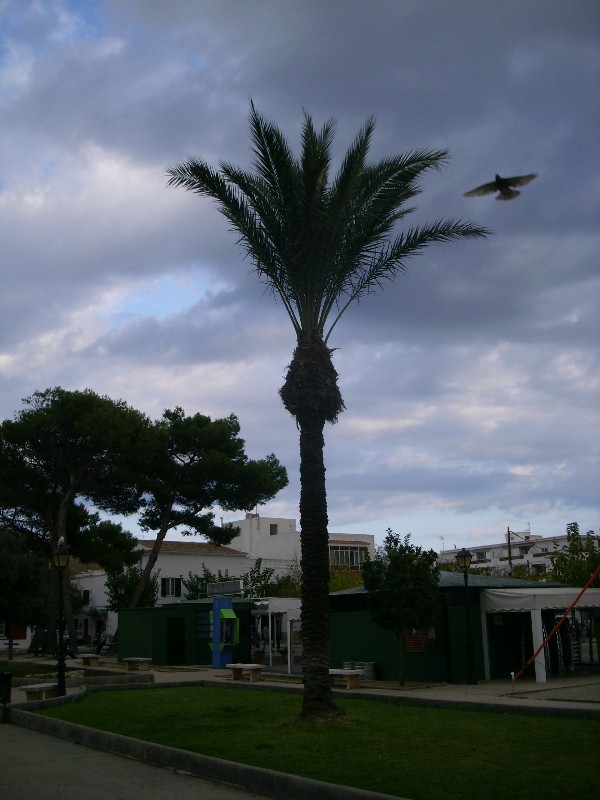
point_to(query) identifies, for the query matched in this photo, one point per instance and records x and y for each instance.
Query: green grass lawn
(420, 753)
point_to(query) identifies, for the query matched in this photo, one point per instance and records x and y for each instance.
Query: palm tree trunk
(317, 697)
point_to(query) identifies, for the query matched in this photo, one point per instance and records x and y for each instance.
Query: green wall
(455, 622)
(169, 634)
(356, 637)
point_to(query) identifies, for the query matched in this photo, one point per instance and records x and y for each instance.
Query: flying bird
(503, 186)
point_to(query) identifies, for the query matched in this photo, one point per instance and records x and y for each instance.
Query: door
(175, 640)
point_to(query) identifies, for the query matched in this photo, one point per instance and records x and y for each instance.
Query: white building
(274, 540)
(519, 549)
(175, 561)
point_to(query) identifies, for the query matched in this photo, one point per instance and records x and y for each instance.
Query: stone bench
(40, 691)
(136, 664)
(237, 671)
(352, 676)
(89, 660)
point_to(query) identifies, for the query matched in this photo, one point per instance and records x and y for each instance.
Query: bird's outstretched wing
(502, 186)
(485, 188)
(520, 180)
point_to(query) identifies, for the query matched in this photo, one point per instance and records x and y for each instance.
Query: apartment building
(519, 549)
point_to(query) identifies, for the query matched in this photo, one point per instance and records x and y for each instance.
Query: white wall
(176, 565)
(257, 540)
(168, 565)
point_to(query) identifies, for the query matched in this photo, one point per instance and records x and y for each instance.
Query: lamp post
(463, 559)
(522, 535)
(60, 557)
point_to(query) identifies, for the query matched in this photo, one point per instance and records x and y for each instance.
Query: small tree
(341, 578)
(257, 581)
(195, 585)
(575, 563)
(289, 584)
(402, 586)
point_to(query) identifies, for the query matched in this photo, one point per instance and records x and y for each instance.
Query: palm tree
(319, 245)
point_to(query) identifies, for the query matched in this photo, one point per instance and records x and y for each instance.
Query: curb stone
(278, 785)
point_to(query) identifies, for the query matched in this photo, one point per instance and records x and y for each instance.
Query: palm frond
(321, 245)
(391, 258)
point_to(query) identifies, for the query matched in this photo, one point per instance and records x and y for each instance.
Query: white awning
(501, 600)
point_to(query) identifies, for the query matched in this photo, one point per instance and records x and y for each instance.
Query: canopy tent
(506, 600)
(534, 600)
(288, 607)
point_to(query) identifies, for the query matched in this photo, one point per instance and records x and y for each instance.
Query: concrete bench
(40, 691)
(352, 676)
(136, 664)
(89, 660)
(237, 671)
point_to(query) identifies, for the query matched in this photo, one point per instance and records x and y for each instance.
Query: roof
(195, 548)
(544, 597)
(450, 580)
(455, 580)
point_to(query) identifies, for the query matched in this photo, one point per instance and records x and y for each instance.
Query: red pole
(559, 623)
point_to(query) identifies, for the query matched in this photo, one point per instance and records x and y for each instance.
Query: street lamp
(463, 559)
(60, 557)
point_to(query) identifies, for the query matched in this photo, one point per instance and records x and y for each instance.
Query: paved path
(35, 766)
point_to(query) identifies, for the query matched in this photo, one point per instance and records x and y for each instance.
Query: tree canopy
(199, 463)
(402, 588)
(68, 453)
(66, 447)
(576, 562)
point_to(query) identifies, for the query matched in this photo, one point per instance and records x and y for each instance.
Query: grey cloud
(110, 96)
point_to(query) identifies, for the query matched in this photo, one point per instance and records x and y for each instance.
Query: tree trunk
(70, 623)
(152, 559)
(60, 532)
(401, 673)
(318, 697)
(311, 394)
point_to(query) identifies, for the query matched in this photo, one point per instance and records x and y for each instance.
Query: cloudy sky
(471, 382)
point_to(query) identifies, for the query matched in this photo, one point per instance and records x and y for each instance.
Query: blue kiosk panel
(225, 630)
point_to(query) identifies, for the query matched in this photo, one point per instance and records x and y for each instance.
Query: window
(273, 529)
(346, 556)
(86, 597)
(170, 587)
